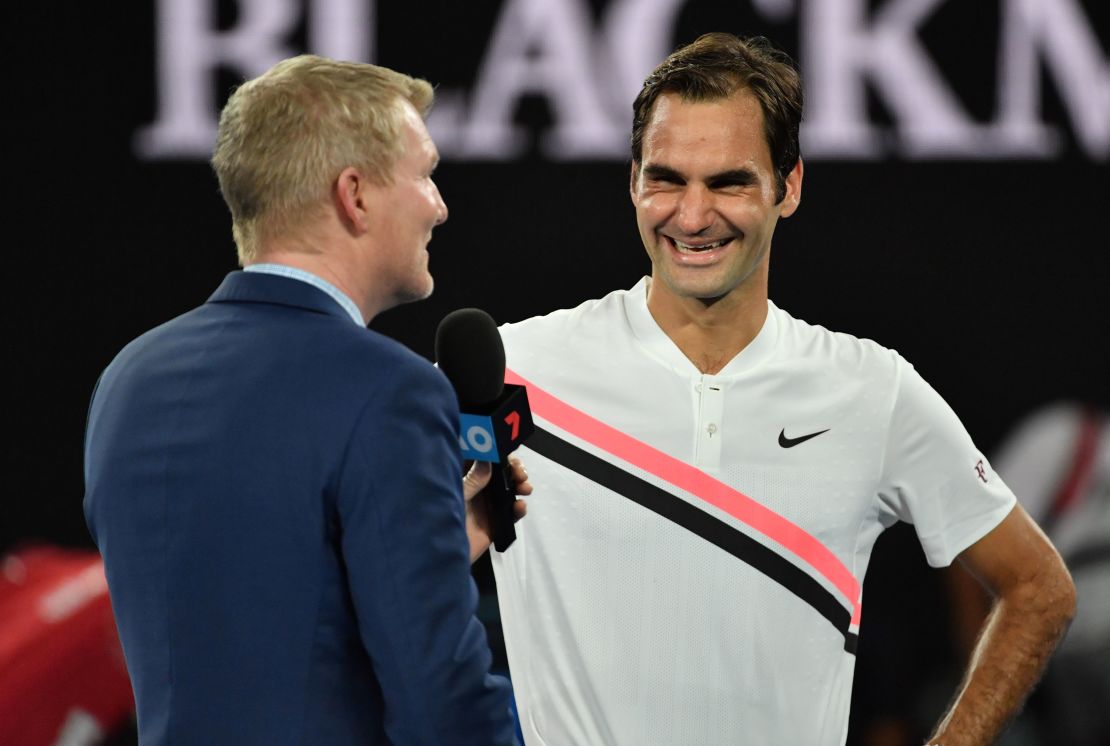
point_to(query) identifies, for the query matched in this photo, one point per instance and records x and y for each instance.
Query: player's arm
(1033, 602)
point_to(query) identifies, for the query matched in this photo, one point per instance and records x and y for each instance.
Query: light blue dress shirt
(315, 281)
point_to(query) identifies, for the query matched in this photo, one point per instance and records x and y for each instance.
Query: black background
(990, 276)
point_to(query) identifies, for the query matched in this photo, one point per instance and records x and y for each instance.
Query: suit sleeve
(404, 542)
(933, 475)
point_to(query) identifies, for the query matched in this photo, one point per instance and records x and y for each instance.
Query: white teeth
(690, 249)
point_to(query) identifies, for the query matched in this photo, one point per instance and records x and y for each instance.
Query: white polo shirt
(690, 569)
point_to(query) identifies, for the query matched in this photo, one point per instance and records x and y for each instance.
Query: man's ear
(793, 196)
(352, 199)
(634, 176)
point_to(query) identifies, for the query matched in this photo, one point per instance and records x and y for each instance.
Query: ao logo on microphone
(476, 437)
(491, 437)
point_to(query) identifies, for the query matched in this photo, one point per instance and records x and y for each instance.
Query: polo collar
(657, 344)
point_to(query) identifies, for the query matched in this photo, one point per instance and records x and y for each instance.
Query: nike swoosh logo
(786, 442)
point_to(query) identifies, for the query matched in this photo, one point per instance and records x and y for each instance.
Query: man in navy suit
(276, 490)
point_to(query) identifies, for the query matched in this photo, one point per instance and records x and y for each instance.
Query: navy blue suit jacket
(276, 492)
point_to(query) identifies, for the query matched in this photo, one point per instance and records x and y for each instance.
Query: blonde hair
(286, 135)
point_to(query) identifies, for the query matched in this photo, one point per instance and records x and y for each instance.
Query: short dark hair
(717, 65)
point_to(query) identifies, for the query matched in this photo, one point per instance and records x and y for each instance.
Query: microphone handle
(502, 498)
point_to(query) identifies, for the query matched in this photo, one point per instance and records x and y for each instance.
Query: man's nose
(695, 210)
(441, 213)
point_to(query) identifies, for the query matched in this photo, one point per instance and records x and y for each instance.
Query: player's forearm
(1018, 637)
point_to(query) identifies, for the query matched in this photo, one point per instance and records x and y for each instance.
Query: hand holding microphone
(478, 531)
(495, 417)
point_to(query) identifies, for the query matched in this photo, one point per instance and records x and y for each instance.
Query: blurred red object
(62, 673)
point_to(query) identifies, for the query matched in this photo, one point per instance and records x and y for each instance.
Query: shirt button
(712, 429)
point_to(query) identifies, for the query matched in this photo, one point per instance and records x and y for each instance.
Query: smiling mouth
(689, 248)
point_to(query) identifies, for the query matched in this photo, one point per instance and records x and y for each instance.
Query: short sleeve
(933, 475)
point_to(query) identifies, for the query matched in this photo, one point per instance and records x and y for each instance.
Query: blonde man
(275, 489)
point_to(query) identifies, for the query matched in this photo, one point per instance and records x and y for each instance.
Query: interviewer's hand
(477, 511)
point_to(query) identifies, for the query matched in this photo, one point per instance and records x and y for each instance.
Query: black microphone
(495, 417)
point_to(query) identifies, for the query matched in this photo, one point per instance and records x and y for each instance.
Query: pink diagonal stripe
(697, 483)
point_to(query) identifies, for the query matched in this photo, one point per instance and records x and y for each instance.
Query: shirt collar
(283, 270)
(663, 348)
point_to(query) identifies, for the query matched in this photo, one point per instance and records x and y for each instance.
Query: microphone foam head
(470, 353)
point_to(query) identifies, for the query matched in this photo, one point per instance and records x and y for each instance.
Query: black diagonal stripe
(712, 529)
(851, 642)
